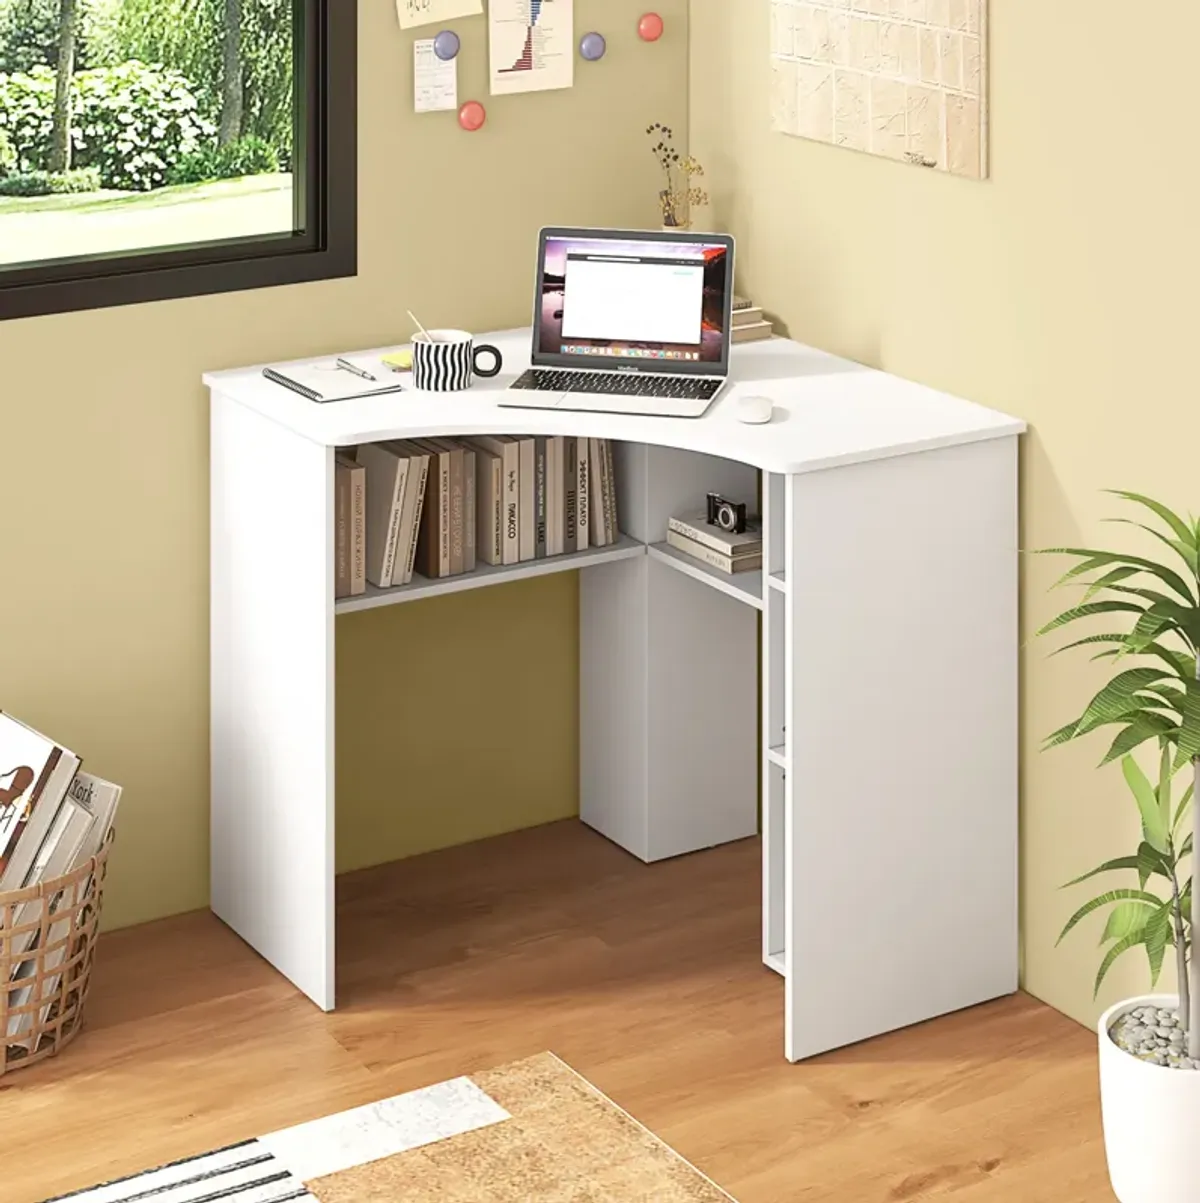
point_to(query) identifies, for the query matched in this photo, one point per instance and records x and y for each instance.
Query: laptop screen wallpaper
(605, 300)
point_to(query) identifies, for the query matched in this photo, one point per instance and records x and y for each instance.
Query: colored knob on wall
(446, 45)
(650, 27)
(592, 46)
(472, 115)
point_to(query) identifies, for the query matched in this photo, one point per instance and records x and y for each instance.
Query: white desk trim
(888, 603)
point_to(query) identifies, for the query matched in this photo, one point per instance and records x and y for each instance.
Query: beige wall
(1062, 290)
(457, 717)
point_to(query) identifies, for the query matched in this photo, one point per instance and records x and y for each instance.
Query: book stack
(726, 551)
(749, 325)
(53, 819)
(439, 507)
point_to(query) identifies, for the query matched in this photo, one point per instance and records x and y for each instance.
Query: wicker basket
(47, 942)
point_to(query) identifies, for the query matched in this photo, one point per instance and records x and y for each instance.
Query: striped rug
(531, 1130)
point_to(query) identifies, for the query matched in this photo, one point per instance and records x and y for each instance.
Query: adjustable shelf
(745, 587)
(489, 574)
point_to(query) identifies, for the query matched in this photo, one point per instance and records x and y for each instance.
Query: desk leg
(272, 694)
(901, 872)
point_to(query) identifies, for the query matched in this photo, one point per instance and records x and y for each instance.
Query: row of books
(53, 819)
(726, 551)
(749, 323)
(438, 507)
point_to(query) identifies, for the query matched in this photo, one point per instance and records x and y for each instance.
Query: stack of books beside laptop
(726, 551)
(749, 325)
(441, 507)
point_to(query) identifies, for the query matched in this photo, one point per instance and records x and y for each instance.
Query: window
(163, 148)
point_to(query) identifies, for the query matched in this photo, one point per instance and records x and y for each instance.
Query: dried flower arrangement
(680, 195)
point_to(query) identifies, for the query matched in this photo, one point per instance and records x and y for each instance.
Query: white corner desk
(888, 676)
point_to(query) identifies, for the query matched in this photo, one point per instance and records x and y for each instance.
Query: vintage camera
(728, 515)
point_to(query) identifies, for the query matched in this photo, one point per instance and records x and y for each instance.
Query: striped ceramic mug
(445, 360)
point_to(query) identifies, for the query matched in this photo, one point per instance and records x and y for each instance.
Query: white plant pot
(1151, 1118)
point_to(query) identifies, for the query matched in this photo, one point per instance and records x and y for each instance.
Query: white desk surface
(828, 411)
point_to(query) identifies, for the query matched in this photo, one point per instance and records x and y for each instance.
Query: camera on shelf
(728, 515)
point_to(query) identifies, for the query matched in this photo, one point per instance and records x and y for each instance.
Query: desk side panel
(272, 694)
(902, 831)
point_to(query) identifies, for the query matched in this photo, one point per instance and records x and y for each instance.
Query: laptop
(629, 321)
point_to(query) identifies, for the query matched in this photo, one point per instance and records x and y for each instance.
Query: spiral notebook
(327, 380)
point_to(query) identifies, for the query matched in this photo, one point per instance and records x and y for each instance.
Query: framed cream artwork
(905, 79)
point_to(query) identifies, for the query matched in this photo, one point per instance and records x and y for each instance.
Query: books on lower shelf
(726, 551)
(437, 507)
(749, 324)
(53, 819)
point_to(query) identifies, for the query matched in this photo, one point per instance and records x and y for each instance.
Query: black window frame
(325, 181)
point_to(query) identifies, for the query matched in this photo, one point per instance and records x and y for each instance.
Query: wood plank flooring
(646, 979)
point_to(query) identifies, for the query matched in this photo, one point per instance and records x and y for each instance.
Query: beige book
(612, 519)
(752, 333)
(410, 510)
(555, 502)
(457, 504)
(387, 474)
(358, 529)
(509, 450)
(527, 512)
(469, 509)
(598, 473)
(341, 530)
(433, 547)
(714, 559)
(747, 317)
(489, 506)
(582, 496)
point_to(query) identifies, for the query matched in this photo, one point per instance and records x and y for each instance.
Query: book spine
(582, 497)
(614, 517)
(596, 503)
(393, 530)
(699, 535)
(444, 485)
(528, 547)
(458, 527)
(341, 535)
(554, 496)
(358, 530)
(512, 503)
(570, 494)
(469, 509)
(539, 502)
(715, 559)
(491, 508)
(421, 466)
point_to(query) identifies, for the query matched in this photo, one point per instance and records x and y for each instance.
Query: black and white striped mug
(445, 360)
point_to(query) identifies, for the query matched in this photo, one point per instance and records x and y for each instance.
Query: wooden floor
(646, 979)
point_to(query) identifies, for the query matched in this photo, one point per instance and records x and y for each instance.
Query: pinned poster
(531, 45)
(435, 81)
(426, 12)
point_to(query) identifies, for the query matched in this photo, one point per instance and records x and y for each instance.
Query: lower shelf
(774, 960)
(746, 587)
(489, 574)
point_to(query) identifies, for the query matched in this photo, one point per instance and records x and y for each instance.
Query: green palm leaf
(1154, 825)
(1157, 934)
(1114, 577)
(1126, 918)
(1173, 520)
(1147, 725)
(1179, 810)
(1086, 611)
(1185, 551)
(1189, 727)
(1122, 895)
(1123, 945)
(1093, 559)
(1109, 866)
(1151, 862)
(1119, 697)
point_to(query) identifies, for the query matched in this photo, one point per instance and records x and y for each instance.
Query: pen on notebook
(343, 363)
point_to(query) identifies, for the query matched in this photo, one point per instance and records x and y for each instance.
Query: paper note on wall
(531, 45)
(426, 12)
(435, 83)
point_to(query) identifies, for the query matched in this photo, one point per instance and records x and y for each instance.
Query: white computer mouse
(754, 410)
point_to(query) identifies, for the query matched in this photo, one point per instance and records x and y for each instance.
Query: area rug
(532, 1130)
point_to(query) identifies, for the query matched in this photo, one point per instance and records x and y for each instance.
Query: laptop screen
(658, 302)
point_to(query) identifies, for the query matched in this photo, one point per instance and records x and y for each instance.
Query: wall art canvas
(905, 79)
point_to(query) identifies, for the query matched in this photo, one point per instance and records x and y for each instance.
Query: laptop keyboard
(620, 384)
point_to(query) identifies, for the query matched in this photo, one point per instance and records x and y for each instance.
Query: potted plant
(1150, 1045)
(680, 195)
